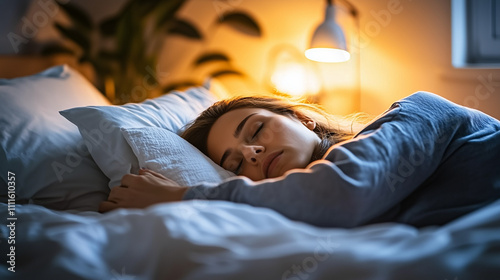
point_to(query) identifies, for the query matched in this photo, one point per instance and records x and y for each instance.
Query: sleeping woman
(425, 161)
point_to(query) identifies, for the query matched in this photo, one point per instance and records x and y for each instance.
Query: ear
(306, 121)
(310, 124)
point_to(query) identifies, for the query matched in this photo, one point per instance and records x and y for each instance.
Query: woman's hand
(143, 190)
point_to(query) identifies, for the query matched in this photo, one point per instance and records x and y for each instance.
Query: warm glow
(327, 55)
(295, 79)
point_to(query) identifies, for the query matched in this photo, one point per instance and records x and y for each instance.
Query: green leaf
(144, 8)
(75, 35)
(56, 49)
(166, 12)
(242, 22)
(79, 16)
(84, 58)
(109, 26)
(226, 72)
(184, 28)
(180, 85)
(208, 57)
(107, 55)
(103, 68)
(126, 38)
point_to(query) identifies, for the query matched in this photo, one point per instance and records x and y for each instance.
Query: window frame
(475, 33)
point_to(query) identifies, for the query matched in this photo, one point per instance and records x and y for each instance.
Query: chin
(289, 166)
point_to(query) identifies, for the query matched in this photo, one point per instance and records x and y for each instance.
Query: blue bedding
(426, 161)
(417, 197)
(224, 240)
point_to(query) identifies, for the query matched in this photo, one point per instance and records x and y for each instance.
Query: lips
(270, 163)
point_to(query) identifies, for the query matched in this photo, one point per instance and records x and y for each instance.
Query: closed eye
(234, 166)
(258, 130)
(238, 169)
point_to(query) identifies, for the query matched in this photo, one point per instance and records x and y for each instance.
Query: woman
(425, 161)
(297, 133)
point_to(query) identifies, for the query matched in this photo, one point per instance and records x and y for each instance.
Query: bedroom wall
(405, 46)
(286, 29)
(411, 51)
(402, 51)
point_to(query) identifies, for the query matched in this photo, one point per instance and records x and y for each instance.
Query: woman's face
(260, 144)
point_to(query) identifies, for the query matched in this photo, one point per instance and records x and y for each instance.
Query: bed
(64, 146)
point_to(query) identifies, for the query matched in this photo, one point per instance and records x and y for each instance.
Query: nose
(252, 153)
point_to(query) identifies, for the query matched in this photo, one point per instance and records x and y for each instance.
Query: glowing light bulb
(327, 55)
(328, 43)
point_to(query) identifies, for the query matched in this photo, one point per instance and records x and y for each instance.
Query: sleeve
(361, 179)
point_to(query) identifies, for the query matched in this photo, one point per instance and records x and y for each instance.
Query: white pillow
(167, 153)
(100, 126)
(46, 153)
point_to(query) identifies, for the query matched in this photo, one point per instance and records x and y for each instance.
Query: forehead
(236, 116)
(221, 136)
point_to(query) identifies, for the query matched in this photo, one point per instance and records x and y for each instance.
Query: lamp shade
(328, 42)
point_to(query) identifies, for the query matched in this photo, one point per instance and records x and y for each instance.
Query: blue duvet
(425, 161)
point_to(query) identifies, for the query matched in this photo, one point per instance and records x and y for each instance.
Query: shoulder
(419, 108)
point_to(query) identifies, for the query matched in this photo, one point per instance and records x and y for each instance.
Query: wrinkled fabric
(425, 161)
(223, 240)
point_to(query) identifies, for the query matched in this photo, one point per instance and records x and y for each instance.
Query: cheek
(252, 172)
(275, 132)
(298, 135)
(302, 142)
(268, 136)
(278, 125)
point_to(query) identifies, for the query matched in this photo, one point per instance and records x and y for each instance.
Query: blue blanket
(426, 161)
(223, 240)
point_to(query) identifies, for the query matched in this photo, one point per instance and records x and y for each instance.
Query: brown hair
(329, 128)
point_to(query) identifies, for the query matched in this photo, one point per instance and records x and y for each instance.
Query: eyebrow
(240, 126)
(236, 134)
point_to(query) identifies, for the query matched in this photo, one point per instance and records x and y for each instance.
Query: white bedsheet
(223, 240)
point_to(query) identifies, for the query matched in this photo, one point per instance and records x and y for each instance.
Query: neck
(321, 149)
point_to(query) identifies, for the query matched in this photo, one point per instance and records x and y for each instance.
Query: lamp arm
(352, 8)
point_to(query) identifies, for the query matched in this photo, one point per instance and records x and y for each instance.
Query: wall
(287, 26)
(410, 51)
(405, 46)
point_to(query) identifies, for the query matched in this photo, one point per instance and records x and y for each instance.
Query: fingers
(145, 179)
(133, 181)
(117, 194)
(107, 206)
(130, 181)
(144, 171)
(118, 198)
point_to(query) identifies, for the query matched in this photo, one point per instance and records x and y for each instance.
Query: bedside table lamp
(328, 43)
